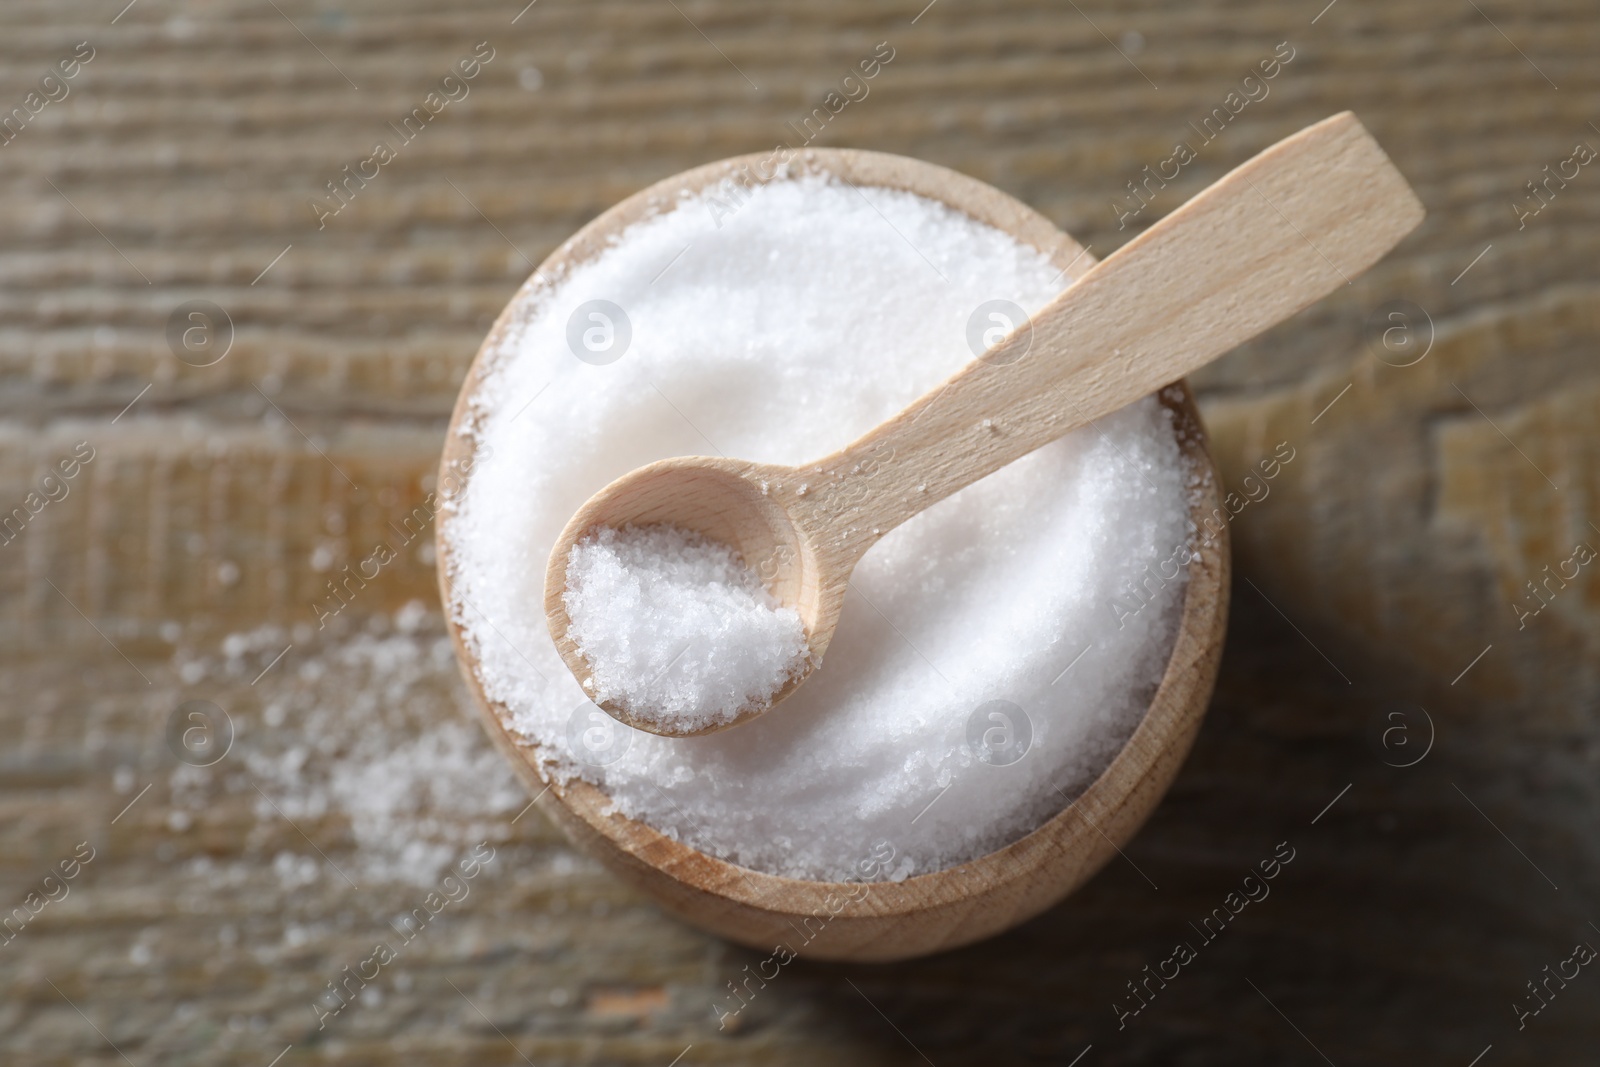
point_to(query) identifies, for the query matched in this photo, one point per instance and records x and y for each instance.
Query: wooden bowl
(929, 912)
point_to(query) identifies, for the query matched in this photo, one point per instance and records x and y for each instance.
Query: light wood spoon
(1274, 235)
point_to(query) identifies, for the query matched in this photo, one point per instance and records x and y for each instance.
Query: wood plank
(1392, 548)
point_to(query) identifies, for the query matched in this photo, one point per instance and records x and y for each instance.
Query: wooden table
(1378, 581)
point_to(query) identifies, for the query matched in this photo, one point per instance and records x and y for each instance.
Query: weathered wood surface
(1389, 554)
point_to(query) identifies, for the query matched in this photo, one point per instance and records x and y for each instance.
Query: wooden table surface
(1395, 703)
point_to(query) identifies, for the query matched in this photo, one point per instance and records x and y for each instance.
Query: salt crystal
(790, 327)
(676, 629)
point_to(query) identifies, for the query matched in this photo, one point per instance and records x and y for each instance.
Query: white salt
(992, 656)
(363, 728)
(675, 628)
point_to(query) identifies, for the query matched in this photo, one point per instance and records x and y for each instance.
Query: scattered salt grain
(783, 331)
(368, 729)
(675, 628)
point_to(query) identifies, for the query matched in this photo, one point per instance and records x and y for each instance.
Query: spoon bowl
(732, 502)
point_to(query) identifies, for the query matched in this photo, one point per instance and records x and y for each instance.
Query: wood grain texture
(1387, 553)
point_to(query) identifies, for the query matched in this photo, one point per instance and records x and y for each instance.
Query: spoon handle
(1275, 234)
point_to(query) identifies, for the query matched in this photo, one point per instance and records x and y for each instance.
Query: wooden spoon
(1272, 236)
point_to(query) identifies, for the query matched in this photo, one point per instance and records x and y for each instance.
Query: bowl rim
(1139, 773)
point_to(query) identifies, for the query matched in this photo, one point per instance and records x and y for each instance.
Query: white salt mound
(675, 628)
(994, 653)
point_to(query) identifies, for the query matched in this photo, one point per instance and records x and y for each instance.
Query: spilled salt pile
(675, 628)
(365, 729)
(994, 653)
